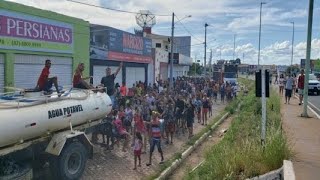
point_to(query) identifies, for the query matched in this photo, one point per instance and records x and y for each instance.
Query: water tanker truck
(40, 129)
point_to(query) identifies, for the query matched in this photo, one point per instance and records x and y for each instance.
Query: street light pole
(263, 89)
(234, 46)
(260, 34)
(205, 49)
(292, 43)
(306, 77)
(171, 55)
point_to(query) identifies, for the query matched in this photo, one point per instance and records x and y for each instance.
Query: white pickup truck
(314, 84)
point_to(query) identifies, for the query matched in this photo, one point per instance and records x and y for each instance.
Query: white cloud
(278, 53)
(224, 16)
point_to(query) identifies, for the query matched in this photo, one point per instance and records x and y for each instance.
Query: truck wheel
(318, 93)
(71, 162)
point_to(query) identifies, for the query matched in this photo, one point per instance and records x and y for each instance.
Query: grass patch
(240, 154)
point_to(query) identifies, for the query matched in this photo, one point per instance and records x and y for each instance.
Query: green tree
(195, 67)
(292, 69)
(317, 65)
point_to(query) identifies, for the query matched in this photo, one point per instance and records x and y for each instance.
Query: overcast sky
(225, 18)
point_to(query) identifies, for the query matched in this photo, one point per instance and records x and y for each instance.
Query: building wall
(80, 39)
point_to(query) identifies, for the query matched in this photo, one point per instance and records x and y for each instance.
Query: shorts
(288, 92)
(48, 85)
(170, 127)
(189, 123)
(300, 91)
(137, 152)
(205, 110)
(80, 86)
(155, 142)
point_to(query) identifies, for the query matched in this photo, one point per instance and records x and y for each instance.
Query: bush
(240, 154)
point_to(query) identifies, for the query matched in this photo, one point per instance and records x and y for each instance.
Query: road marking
(314, 112)
(310, 108)
(314, 106)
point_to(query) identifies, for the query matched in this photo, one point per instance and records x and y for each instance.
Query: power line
(112, 9)
(188, 30)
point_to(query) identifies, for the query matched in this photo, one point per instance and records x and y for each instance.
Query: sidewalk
(118, 165)
(304, 135)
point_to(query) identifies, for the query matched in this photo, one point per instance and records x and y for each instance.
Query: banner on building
(314, 64)
(31, 33)
(124, 46)
(113, 44)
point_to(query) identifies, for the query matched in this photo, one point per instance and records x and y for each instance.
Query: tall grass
(240, 154)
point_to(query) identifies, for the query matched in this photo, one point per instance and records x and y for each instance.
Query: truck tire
(71, 162)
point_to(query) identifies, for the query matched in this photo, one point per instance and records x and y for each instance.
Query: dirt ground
(118, 165)
(198, 155)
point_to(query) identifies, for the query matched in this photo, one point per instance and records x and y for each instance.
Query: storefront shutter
(27, 69)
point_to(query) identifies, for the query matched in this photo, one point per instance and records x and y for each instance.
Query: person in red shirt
(44, 82)
(301, 86)
(78, 80)
(123, 90)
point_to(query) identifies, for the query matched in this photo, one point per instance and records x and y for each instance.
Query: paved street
(118, 165)
(315, 103)
(303, 134)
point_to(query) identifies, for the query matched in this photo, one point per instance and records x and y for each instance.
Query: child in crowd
(137, 150)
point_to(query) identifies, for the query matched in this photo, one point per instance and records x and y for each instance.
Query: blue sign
(123, 42)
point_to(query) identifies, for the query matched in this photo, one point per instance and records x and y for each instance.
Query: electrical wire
(112, 9)
(188, 30)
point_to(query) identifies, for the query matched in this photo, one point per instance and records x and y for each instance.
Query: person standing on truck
(108, 82)
(44, 82)
(78, 80)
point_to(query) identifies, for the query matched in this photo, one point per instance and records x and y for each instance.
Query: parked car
(314, 84)
(317, 74)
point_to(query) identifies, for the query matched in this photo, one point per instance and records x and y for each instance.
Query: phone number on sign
(6, 42)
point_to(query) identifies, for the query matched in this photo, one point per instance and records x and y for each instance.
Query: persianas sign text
(24, 32)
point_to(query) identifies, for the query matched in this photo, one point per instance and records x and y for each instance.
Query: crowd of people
(290, 84)
(150, 114)
(153, 114)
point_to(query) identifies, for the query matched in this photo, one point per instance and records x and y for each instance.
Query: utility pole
(260, 35)
(205, 49)
(195, 65)
(292, 43)
(234, 46)
(220, 51)
(263, 90)
(211, 60)
(306, 77)
(242, 57)
(171, 55)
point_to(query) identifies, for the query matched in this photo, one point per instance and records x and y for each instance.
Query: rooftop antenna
(146, 20)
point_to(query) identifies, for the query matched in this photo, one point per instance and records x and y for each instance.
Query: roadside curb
(188, 151)
(288, 170)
